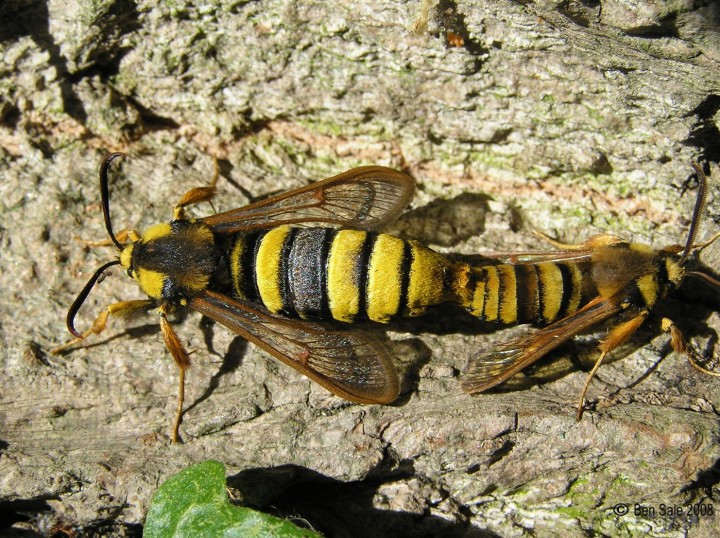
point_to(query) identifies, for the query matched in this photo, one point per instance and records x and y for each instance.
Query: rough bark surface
(571, 117)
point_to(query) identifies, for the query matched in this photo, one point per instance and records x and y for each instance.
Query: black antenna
(80, 299)
(697, 212)
(105, 195)
(699, 205)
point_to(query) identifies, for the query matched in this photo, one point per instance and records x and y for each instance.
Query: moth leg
(596, 241)
(677, 341)
(198, 194)
(98, 326)
(700, 246)
(182, 360)
(618, 336)
(122, 236)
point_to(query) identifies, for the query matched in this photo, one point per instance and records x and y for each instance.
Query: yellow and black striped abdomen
(525, 293)
(347, 275)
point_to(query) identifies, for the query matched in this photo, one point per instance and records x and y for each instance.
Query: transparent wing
(565, 253)
(365, 198)
(491, 367)
(352, 365)
(533, 257)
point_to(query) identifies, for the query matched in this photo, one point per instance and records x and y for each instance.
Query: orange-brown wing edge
(366, 197)
(492, 366)
(352, 365)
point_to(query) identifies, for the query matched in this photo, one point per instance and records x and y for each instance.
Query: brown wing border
(350, 364)
(367, 198)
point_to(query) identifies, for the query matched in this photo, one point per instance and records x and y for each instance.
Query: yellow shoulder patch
(126, 256)
(151, 282)
(156, 231)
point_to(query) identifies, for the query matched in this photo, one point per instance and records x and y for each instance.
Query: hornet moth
(273, 271)
(277, 271)
(602, 279)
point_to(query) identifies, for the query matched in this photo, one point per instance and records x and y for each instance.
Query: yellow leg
(197, 195)
(713, 238)
(581, 402)
(618, 336)
(677, 341)
(173, 343)
(98, 326)
(180, 405)
(122, 236)
(182, 360)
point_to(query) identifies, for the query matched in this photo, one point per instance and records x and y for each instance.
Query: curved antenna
(699, 206)
(80, 299)
(105, 195)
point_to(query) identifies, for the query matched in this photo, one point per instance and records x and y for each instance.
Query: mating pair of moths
(276, 271)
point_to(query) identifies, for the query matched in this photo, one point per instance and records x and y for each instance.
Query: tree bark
(572, 118)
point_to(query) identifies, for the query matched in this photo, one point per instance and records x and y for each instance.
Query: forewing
(364, 198)
(533, 257)
(352, 365)
(566, 253)
(491, 367)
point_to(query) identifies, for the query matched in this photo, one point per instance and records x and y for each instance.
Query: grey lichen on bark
(573, 118)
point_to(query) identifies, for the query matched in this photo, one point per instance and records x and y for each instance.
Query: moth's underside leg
(618, 336)
(98, 326)
(677, 341)
(197, 195)
(182, 360)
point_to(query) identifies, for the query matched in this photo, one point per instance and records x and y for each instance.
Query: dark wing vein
(492, 366)
(352, 365)
(366, 198)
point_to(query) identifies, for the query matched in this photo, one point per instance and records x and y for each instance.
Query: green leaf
(193, 503)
